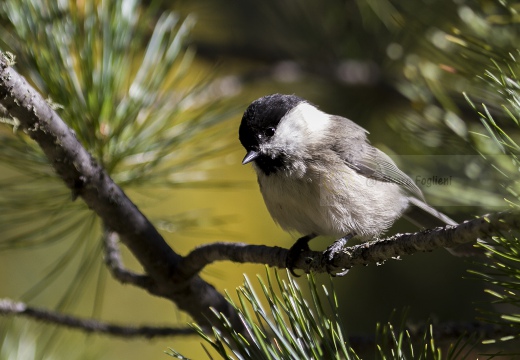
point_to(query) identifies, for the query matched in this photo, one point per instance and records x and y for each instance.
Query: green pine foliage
(499, 116)
(500, 119)
(284, 322)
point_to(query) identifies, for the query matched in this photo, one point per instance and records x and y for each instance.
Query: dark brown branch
(114, 262)
(206, 254)
(376, 251)
(9, 307)
(87, 179)
(442, 332)
(424, 241)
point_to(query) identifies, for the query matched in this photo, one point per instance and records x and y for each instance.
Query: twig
(206, 254)
(9, 307)
(443, 331)
(87, 179)
(114, 262)
(376, 251)
(423, 241)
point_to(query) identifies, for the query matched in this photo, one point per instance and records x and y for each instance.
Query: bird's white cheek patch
(312, 119)
(304, 123)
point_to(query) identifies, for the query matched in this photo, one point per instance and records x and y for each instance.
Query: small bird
(319, 175)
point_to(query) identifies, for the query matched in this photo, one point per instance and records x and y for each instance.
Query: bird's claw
(329, 254)
(301, 245)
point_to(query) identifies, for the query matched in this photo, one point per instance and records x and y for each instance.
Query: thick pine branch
(88, 180)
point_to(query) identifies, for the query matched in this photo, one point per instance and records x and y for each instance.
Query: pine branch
(442, 332)
(242, 253)
(424, 241)
(372, 252)
(9, 307)
(88, 180)
(114, 262)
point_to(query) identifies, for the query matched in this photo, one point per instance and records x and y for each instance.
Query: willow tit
(319, 175)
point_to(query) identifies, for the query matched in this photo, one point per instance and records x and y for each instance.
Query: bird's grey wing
(377, 165)
(359, 155)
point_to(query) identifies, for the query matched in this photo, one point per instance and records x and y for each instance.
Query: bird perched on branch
(319, 175)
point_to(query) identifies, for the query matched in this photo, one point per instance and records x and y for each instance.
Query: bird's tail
(425, 216)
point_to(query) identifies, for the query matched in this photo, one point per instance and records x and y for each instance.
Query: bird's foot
(301, 245)
(331, 251)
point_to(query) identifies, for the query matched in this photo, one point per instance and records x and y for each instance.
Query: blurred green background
(396, 68)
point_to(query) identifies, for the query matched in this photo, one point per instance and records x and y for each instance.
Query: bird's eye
(270, 131)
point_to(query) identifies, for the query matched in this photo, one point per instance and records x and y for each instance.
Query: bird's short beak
(250, 156)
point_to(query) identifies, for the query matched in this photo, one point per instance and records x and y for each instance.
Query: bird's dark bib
(268, 165)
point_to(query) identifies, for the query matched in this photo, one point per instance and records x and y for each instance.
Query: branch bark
(424, 241)
(87, 179)
(114, 262)
(372, 252)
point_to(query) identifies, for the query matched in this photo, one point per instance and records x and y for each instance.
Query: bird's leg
(333, 249)
(301, 245)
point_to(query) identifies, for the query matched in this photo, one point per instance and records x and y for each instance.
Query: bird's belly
(296, 206)
(325, 206)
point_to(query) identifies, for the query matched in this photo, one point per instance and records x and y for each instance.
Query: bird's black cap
(262, 114)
